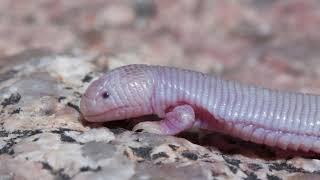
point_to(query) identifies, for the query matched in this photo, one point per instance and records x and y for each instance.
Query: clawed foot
(179, 119)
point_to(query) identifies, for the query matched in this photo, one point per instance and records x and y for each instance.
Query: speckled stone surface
(278, 40)
(42, 135)
(51, 50)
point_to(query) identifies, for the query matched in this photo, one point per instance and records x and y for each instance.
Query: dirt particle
(173, 147)
(190, 155)
(13, 99)
(143, 152)
(87, 78)
(73, 106)
(159, 155)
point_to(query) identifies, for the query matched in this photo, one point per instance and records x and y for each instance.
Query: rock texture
(278, 40)
(50, 51)
(43, 136)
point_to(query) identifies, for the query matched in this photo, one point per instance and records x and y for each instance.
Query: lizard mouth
(109, 115)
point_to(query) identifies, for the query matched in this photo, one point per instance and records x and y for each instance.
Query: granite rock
(51, 50)
(277, 40)
(43, 136)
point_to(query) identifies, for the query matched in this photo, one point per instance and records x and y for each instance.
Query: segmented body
(287, 120)
(276, 118)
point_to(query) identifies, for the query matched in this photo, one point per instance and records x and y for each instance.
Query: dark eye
(105, 95)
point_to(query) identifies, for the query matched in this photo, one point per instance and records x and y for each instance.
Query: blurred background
(273, 43)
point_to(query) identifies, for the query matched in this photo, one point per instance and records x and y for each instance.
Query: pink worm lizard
(184, 99)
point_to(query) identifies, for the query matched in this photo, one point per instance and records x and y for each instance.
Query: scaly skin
(184, 98)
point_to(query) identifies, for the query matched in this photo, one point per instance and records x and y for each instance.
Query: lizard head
(122, 93)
